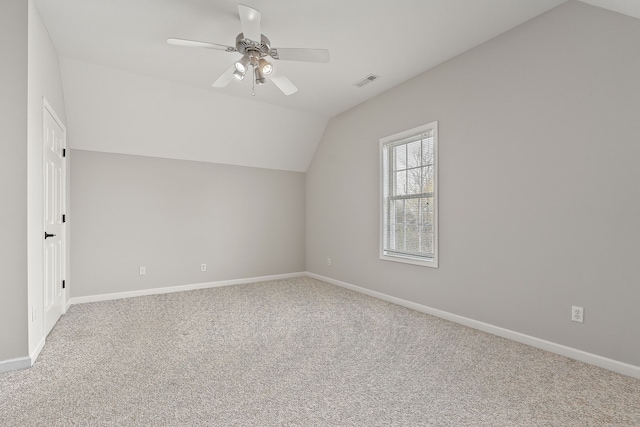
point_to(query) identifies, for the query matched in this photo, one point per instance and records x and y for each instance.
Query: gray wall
(539, 174)
(13, 179)
(173, 215)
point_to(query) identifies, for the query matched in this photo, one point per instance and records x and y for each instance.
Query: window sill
(433, 263)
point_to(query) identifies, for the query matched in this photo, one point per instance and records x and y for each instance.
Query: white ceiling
(396, 40)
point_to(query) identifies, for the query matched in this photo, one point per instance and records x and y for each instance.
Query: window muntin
(409, 196)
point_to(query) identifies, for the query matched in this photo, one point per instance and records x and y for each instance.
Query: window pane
(412, 211)
(426, 245)
(427, 179)
(398, 209)
(414, 178)
(398, 240)
(427, 151)
(414, 154)
(400, 157)
(401, 183)
(427, 210)
(413, 239)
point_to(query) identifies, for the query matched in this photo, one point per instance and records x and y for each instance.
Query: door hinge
(64, 152)
(63, 284)
(64, 218)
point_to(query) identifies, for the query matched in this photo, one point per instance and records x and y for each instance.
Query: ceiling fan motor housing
(252, 48)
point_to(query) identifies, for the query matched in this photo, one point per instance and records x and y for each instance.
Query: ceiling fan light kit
(265, 66)
(260, 80)
(239, 74)
(242, 64)
(254, 53)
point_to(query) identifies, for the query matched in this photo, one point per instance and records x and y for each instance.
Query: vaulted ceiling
(395, 40)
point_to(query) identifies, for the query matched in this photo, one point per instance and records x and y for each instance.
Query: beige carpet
(298, 352)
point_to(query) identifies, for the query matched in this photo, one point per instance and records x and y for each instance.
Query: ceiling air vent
(366, 80)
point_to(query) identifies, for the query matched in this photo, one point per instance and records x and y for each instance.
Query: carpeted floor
(298, 352)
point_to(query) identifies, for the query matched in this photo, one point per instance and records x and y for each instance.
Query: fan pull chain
(253, 82)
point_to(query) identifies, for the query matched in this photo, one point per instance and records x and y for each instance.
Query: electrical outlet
(203, 267)
(328, 261)
(143, 270)
(577, 314)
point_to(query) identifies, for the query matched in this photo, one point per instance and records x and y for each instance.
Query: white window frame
(384, 179)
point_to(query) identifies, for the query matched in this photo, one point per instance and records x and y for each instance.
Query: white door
(54, 202)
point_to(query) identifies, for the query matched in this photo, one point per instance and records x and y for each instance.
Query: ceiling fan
(255, 47)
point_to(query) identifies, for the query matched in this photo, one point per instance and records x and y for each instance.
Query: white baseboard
(170, 289)
(572, 353)
(22, 362)
(15, 364)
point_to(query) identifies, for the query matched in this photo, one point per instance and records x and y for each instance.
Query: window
(409, 223)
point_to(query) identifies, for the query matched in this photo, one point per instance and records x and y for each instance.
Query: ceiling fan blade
(250, 19)
(225, 78)
(294, 54)
(206, 45)
(284, 84)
